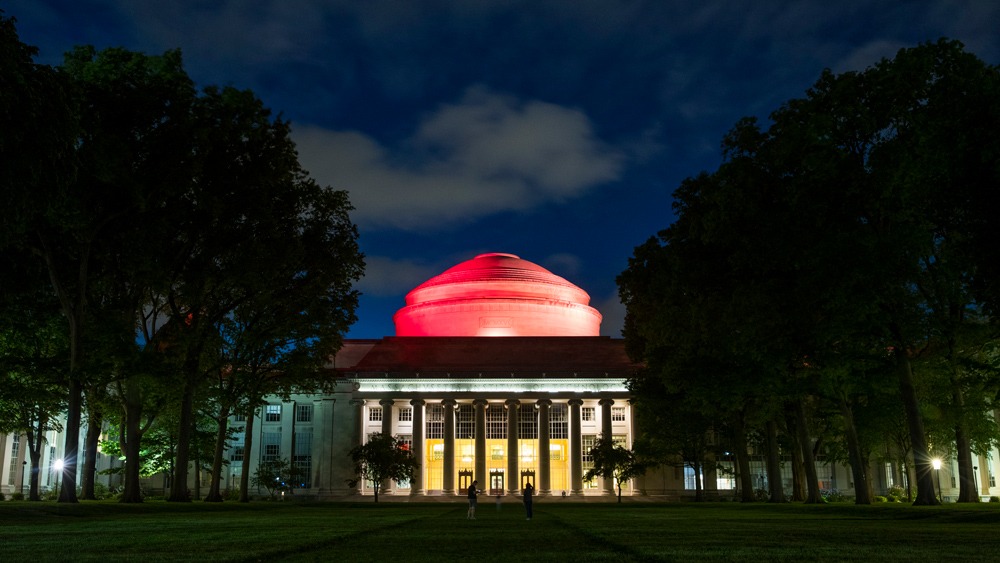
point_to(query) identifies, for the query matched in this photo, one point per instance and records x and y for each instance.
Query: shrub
(994, 499)
(879, 499)
(51, 494)
(2, 497)
(895, 494)
(17, 496)
(761, 495)
(232, 494)
(832, 495)
(100, 490)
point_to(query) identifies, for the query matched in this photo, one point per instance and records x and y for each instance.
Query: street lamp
(58, 466)
(937, 474)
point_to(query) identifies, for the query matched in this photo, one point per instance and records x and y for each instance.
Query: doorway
(496, 481)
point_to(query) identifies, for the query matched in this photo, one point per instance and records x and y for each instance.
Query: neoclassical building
(497, 373)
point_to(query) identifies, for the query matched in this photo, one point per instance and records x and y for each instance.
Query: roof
(555, 356)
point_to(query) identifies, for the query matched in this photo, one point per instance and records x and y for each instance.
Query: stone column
(480, 474)
(359, 433)
(575, 447)
(448, 478)
(544, 452)
(606, 433)
(417, 485)
(640, 481)
(513, 475)
(387, 486)
(321, 445)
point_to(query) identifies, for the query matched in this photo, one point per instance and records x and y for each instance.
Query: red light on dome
(497, 294)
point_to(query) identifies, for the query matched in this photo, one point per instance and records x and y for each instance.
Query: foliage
(613, 461)
(17, 496)
(275, 476)
(879, 498)
(832, 495)
(381, 458)
(895, 493)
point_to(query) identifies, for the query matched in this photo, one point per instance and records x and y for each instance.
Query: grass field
(158, 531)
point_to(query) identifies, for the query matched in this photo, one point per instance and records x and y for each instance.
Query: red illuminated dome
(497, 295)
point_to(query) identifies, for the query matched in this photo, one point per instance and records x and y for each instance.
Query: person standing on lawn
(528, 489)
(472, 501)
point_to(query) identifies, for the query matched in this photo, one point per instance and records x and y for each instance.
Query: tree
(613, 461)
(381, 458)
(276, 475)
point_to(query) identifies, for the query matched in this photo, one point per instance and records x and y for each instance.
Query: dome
(497, 294)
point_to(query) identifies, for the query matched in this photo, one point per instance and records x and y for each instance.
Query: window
(435, 423)
(466, 422)
(238, 448)
(240, 417)
(620, 440)
(406, 414)
(272, 413)
(989, 471)
(558, 422)
(496, 453)
(15, 445)
(527, 423)
(303, 413)
(303, 459)
(375, 414)
(617, 414)
(270, 446)
(496, 423)
(588, 414)
(587, 443)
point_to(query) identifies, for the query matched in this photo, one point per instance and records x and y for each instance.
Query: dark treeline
(833, 288)
(164, 262)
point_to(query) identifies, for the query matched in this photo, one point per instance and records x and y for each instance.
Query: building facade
(497, 373)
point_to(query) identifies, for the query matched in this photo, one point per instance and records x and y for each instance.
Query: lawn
(262, 531)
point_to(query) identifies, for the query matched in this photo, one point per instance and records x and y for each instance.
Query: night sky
(554, 130)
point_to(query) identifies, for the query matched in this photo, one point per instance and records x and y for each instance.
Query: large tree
(381, 458)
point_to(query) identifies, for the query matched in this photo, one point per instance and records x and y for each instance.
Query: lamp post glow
(937, 474)
(58, 466)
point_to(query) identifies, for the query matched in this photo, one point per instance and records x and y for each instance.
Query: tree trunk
(94, 422)
(918, 443)
(775, 489)
(74, 406)
(36, 437)
(214, 487)
(968, 490)
(247, 446)
(375, 487)
(179, 492)
(742, 458)
(858, 468)
(132, 492)
(798, 468)
(808, 461)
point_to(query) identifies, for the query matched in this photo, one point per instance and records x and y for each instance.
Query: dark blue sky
(554, 130)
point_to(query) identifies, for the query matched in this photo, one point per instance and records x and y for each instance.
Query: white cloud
(867, 55)
(486, 154)
(386, 277)
(613, 312)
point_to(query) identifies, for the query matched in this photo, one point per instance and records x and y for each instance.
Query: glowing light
(58, 465)
(936, 463)
(497, 295)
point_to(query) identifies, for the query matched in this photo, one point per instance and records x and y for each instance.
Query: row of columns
(448, 479)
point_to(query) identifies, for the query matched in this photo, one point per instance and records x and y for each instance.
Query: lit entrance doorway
(464, 481)
(526, 478)
(496, 482)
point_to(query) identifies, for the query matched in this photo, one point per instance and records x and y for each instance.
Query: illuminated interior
(497, 295)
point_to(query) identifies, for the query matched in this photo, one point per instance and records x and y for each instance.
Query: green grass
(158, 531)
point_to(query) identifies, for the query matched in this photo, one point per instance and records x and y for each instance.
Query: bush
(51, 494)
(762, 495)
(100, 490)
(17, 496)
(895, 494)
(879, 499)
(992, 499)
(2, 497)
(832, 495)
(232, 494)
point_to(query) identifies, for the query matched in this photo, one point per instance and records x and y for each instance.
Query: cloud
(563, 264)
(488, 153)
(867, 55)
(387, 277)
(613, 312)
